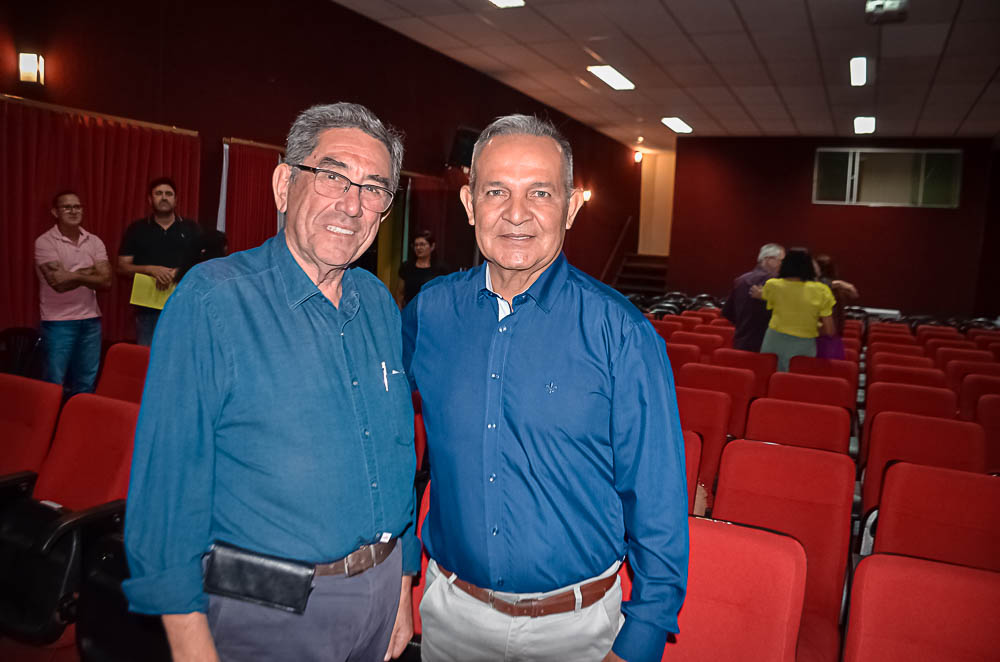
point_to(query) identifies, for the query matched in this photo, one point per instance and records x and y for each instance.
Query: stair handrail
(616, 250)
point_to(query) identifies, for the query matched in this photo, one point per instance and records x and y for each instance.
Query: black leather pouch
(270, 581)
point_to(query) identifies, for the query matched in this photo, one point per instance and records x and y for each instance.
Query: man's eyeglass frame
(317, 171)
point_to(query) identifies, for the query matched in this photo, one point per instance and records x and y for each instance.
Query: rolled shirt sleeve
(827, 301)
(650, 480)
(169, 509)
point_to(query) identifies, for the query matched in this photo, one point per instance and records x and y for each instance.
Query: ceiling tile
(910, 95)
(938, 11)
(905, 70)
(740, 127)
(992, 93)
(844, 44)
(809, 98)
(377, 10)
(814, 126)
(785, 45)
(979, 38)
(471, 29)
(669, 95)
(429, 7)
(913, 40)
(647, 76)
(979, 10)
(730, 112)
(746, 74)
(796, 72)
(620, 52)
(582, 20)
(524, 24)
(427, 34)
(711, 96)
(970, 70)
(836, 13)
(950, 102)
(672, 50)
(519, 57)
(845, 95)
(936, 128)
(768, 113)
(642, 17)
(694, 75)
(523, 83)
(777, 127)
(728, 47)
(475, 58)
(705, 16)
(761, 95)
(566, 54)
(895, 127)
(774, 15)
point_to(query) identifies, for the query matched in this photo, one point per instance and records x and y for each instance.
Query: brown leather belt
(361, 559)
(559, 603)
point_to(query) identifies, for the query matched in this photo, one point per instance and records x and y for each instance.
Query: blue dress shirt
(555, 444)
(271, 420)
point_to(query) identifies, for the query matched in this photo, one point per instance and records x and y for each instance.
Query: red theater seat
(666, 328)
(947, 354)
(988, 416)
(808, 365)
(899, 374)
(762, 365)
(890, 358)
(893, 338)
(706, 342)
(704, 316)
(706, 413)
(737, 382)
(975, 334)
(932, 346)
(894, 348)
(721, 321)
(852, 344)
(419, 439)
(417, 592)
(692, 457)
(724, 332)
(834, 391)
(807, 494)
(805, 424)
(940, 515)
(957, 370)
(936, 442)
(124, 373)
(973, 388)
(687, 321)
(680, 355)
(28, 411)
(912, 610)
(922, 400)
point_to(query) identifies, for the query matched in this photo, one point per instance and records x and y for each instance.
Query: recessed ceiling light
(864, 125)
(859, 71)
(612, 77)
(507, 4)
(676, 124)
(639, 139)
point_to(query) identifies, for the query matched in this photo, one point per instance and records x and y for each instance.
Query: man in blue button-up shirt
(277, 418)
(555, 445)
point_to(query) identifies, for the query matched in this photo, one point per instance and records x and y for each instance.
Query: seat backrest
(994, 349)
(934, 345)
(721, 321)
(692, 458)
(890, 358)
(419, 439)
(984, 342)
(834, 391)
(937, 442)
(417, 591)
(762, 365)
(687, 321)
(893, 338)
(974, 334)
(946, 354)
(973, 388)
(724, 332)
(703, 315)
(28, 412)
(666, 328)
(957, 370)
(707, 413)
(895, 348)
(91, 454)
(938, 333)
(680, 354)
(898, 327)
(707, 342)
(744, 595)
(922, 611)
(805, 424)
(124, 373)
(802, 492)
(809, 365)
(988, 416)
(852, 344)
(737, 382)
(901, 374)
(850, 354)
(939, 514)
(909, 398)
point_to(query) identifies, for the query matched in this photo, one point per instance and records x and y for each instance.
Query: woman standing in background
(419, 269)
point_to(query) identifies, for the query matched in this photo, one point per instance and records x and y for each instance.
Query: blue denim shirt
(271, 420)
(555, 444)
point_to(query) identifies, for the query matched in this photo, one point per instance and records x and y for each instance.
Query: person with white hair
(750, 316)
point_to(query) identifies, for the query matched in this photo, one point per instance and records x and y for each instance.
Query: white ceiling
(727, 67)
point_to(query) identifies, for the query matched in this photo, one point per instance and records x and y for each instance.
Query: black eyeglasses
(331, 184)
(69, 208)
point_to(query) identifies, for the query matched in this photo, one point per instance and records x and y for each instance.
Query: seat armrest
(108, 516)
(17, 485)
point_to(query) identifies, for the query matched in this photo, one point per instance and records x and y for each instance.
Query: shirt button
(367, 434)
(502, 329)
(494, 531)
(354, 383)
(494, 375)
(341, 334)
(493, 478)
(374, 484)
(500, 582)
(490, 426)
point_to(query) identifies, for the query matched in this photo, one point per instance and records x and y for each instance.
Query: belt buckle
(371, 548)
(492, 598)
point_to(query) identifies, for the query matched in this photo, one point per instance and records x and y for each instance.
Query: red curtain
(251, 217)
(109, 162)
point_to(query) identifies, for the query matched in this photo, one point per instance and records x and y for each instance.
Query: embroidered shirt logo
(551, 387)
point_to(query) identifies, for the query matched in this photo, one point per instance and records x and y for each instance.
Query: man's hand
(402, 631)
(611, 657)
(163, 275)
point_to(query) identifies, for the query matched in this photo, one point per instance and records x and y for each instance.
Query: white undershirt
(503, 306)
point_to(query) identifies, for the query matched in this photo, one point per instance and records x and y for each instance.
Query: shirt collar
(61, 237)
(299, 287)
(544, 290)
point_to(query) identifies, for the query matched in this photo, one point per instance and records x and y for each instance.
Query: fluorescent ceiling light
(507, 4)
(859, 71)
(864, 125)
(612, 77)
(676, 124)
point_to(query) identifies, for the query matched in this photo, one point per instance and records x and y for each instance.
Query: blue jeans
(145, 324)
(72, 354)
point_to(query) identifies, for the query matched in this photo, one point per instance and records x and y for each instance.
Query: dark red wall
(246, 69)
(734, 194)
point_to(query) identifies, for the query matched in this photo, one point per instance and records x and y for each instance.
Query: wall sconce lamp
(32, 68)
(637, 156)
(586, 195)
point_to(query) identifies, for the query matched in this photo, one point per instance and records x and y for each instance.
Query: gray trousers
(348, 619)
(459, 628)
(786, 347)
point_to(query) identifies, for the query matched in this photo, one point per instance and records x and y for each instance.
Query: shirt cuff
(640, 642)
(177, 590)
(411, 552)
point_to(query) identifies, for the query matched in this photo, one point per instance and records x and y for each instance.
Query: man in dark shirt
(160, 246)
(750, 316)
(277, 419)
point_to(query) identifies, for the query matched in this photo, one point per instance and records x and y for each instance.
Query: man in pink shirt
(72, 263)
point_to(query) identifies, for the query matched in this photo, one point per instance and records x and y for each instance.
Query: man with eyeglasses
(271, 508)
(72, 265)
(750, 316)
(555, 444)
(161, 246)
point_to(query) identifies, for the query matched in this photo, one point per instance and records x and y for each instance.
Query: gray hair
(524, 125)
(304, 134)
(769, 250)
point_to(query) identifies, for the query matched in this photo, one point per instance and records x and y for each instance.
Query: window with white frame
(887, 177)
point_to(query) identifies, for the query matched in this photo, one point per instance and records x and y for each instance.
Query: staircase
(642, 274)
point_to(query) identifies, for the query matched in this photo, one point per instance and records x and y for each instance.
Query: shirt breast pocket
(399, 404)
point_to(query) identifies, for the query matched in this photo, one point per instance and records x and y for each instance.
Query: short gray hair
(769, 250)
(524, 125)
(304, 134)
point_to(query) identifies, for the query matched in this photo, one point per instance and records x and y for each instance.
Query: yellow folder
(145, 292)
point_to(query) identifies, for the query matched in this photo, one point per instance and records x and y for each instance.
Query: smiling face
(327, 234)
(520, 207)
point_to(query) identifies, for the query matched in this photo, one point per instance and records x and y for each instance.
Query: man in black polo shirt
(161, 246)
